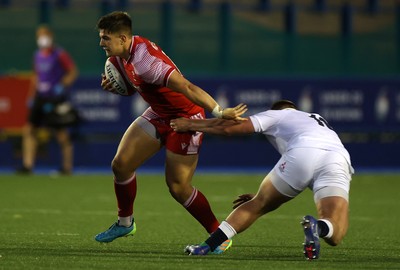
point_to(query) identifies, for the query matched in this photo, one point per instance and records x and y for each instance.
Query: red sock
(198, 206)
(126, 194)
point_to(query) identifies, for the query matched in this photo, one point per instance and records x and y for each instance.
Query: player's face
(44, 37)
(111, 43)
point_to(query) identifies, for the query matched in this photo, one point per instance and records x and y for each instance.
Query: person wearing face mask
(54, 73)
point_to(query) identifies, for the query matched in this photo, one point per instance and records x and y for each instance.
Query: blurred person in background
(54, 73)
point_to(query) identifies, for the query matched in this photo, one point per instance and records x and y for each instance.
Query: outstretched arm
(213, 126)
(178, 83)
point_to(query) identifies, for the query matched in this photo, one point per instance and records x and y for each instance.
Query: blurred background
(335, 57)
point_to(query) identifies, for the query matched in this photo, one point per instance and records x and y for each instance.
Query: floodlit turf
(50, 222)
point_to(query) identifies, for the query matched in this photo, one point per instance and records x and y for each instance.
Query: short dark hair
(283, 104)
(114, 22)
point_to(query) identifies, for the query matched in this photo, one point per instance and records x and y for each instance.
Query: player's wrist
(217, 112)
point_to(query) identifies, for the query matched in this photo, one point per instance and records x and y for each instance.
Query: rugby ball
(114, 71)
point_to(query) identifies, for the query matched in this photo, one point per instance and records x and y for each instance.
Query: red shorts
(183, 143)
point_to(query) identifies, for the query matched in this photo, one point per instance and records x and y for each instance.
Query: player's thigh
(333, 207)
(136, 146)
(179, 168)
(331, 190)
(332, 176)
(331, 185)
(273, 192)
(182, 156)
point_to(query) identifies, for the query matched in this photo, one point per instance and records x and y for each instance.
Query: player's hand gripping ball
(114, 71)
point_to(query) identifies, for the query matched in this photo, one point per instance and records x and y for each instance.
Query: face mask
(44, 42)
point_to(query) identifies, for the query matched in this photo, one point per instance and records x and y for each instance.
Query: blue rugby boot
(311, 237)
(201, 249)
(115, 231)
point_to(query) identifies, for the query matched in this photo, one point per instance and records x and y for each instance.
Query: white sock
(125, 221)
(228, 230)
(330, 226)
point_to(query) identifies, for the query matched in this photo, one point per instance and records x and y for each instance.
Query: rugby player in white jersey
(312, 157)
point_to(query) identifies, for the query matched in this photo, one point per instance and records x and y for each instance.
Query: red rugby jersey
(148, 69)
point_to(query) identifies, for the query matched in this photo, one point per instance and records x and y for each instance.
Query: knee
(63, 138)
(180, 192)
(123, 166)
(117, 165)
(65, 142)
(175, 189)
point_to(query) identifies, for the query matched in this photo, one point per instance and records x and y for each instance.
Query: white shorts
(326, 173)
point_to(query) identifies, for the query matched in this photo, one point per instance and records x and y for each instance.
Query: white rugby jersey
(289, 128)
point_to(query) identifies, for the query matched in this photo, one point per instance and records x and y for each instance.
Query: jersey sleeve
(151, 67)
(66, 61)
(264, 120)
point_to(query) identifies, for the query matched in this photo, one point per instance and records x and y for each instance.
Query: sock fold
(325, 228)
(228, 230)
(198, 206)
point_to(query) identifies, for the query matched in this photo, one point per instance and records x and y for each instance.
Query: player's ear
(123, 38)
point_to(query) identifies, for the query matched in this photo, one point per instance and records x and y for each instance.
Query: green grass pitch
(50, 222)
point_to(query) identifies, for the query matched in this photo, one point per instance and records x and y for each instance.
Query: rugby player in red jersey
(160, 83)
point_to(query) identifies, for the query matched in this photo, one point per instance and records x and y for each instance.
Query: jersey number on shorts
(320, 120)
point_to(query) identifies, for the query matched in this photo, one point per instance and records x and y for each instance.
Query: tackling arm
(213, 126)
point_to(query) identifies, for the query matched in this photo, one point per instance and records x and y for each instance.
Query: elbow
(75, 74)
(70, 77)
